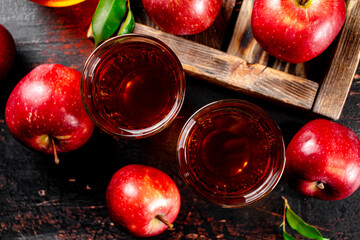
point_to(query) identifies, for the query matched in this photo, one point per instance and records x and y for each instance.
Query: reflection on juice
(135, 87)
(229, 152)
(57, 3)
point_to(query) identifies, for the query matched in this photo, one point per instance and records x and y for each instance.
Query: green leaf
(296, 223)
(107, 18)
(128, 25)
(287, 236)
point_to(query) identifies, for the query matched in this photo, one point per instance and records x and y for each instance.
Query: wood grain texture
(235, 73)
(336, 84)
(334, 73)
(242, 43)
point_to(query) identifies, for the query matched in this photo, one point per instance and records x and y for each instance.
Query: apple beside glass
(143, 200)
(45, 112)
(183, 17)
(323, 160)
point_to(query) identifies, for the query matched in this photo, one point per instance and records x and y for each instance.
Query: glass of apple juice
(231, 153)
(133, 86)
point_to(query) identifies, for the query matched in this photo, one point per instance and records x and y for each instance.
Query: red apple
(45, 112)
(296, 31)
(7, 51)
(183, 17)
(323, 160)
(143, 200)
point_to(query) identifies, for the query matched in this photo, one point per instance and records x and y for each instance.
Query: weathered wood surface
(242, 43)
(337, 82)
(39, 200)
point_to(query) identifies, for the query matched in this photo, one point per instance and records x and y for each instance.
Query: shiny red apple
(44, 111)
(183, 17)
(323, 160)
(7, 51)
(143, 200)
(297, 31)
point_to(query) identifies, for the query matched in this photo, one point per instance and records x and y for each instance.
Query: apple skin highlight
(296, 32)
(45, 108)
(183, 17)
(143, 200)
(323, 160)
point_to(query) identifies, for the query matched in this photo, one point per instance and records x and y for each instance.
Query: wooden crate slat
(235, 73)
(335, 87)
(242, 43)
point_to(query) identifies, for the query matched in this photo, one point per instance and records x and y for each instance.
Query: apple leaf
(287, 236)
(107, 19)
(128, 24)
(299, 225)
(302, 227)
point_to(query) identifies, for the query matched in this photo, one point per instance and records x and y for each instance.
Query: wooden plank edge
(242, 43)
(335, 87)
(235, 73)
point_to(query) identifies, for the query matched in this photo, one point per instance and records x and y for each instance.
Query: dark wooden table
(41, 200)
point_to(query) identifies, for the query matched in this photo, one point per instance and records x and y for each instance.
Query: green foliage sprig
(109, 17)
(128, 24)
(296, 223)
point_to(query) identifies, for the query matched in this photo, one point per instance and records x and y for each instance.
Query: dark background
(41, 200)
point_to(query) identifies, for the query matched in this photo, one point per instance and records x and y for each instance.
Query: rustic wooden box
(320, 85)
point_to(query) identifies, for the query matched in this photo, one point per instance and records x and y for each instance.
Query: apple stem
(89, 33)
(166, 222)
(56, 158)
(302, 2)
(321, 185)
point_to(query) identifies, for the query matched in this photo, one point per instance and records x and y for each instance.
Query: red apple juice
(231, 153)
(135, 86)
(228, 152)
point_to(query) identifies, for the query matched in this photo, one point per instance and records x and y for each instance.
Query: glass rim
(171, 115)
(258, 191)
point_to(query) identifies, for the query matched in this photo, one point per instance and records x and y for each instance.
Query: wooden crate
(320, 85)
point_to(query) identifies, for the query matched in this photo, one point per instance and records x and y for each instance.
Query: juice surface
(229, 154)
(135, 87)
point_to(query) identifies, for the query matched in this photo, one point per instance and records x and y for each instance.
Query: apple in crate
(183, 17)
(323, 160)
(297, 31)
(44, 111)
(143, 200)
